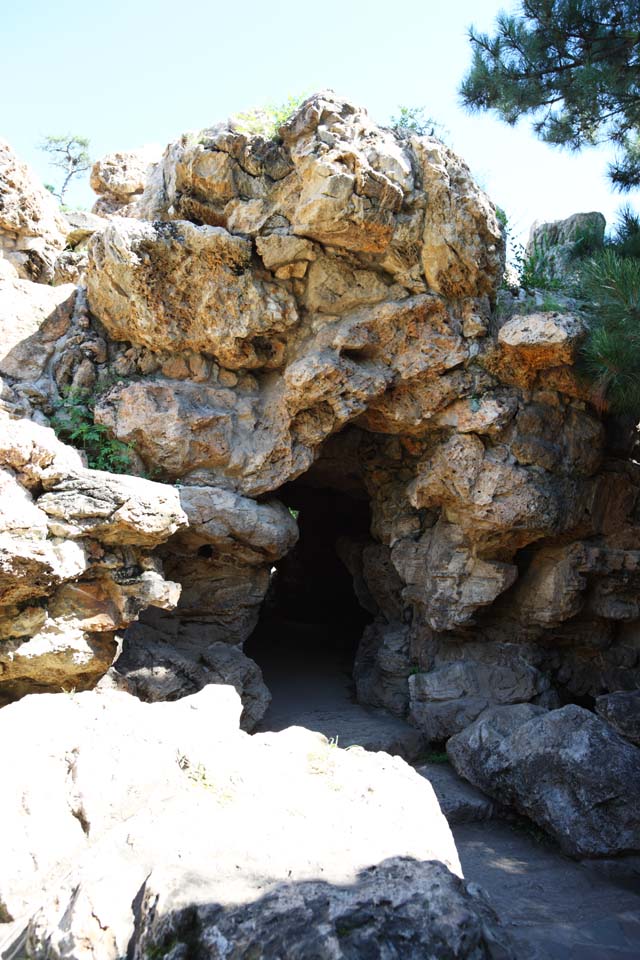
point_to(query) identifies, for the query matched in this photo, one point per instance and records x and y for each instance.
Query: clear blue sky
(130, 72)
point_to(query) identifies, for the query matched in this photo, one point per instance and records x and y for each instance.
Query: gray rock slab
(459, 801)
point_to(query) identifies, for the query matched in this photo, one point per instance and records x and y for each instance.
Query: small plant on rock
(74, 423)
(416, 120)
(536, 271)
(266, 121)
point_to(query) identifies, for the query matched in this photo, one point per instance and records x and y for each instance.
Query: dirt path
(556, 908)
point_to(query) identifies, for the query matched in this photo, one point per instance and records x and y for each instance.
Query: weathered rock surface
(75, 565)
(459, 801)
(399, 908)
(622, 710)
(32, 229)
(108, 795)
(382, 666)
(157, 665)
(180, 287)
(119, 178)
(566, 769)
(32, 318)
(556, 245)
(450, 697)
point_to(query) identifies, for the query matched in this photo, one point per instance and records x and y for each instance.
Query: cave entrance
(311, 620)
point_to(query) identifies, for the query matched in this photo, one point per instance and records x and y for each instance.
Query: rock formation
(76, 562)
(312, 323)
(566, 769)
(120, 178)
(137, 814)
(32, 230)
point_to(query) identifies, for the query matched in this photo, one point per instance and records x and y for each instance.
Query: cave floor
(554, 907)
(308, 672)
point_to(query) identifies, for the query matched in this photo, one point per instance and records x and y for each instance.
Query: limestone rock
(541, 340)
(155, 666)
(114, 509)
(32, 318)
(31, 226)
(119, 178)
(251, 532)
(622, 710)
(34, 453)
(460, 582)
(382, 668)
(399, 908)
(449, 698)
(493, 500)
(58, 657)
(81, 226)
(556, 245)
(566, 769)
(463, 251)
(62, 594)
(315, 310)
(459, 801)
(112, 791)
(177, 286)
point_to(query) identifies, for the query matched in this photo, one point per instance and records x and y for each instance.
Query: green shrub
(266, 121)
(73, 422)
(610, 285)
(536, 269)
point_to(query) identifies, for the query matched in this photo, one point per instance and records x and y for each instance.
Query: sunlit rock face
(32, 228)
(123, 814)
(76, 564)
(317, 310)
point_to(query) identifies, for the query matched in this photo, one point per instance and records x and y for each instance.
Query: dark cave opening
(311, 620)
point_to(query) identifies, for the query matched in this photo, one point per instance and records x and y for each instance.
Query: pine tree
(69, 153)
(574, 67)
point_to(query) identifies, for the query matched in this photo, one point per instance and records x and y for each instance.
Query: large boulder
(138, 286)
(112, 799)
(566, 769)
(400, 908)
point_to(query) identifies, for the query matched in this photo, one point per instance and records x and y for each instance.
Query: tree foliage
(574, 67)
(611, 351)
(70, 154)
(417, 120)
